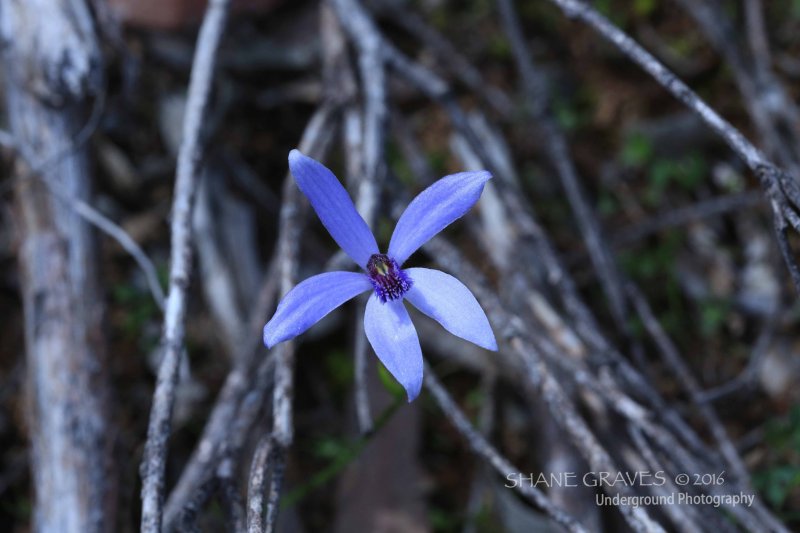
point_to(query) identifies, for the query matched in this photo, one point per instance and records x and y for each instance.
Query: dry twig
(781, 189)
(557, 152)
(242, 395)
(155, 454)
(486, 451)
(286, 254)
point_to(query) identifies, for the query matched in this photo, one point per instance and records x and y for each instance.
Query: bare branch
(242, 394)
(361, 353)
(675, 363)
(73, 476)
(482, 448)
(538, 378)
(256, 486)
(282, 428)
(155, 454)
(685, 215)
(756, 33)
(87, 212)
(751, 155)
(286, 255)
(778, 186)
(557, 152)
(113, 230)
(188, 518)
(230, 497)
(449, 57)
(749, 374)
(370, 147)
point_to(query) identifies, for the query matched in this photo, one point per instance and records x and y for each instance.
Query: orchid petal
(434, 209)
(394, 339)
(446, 300)
(310, 301)
(334, 207)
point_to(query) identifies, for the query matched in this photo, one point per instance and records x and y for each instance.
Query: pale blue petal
(334, 207)
(446, 300)
(394, 339)
(308, 302)
(434, 209)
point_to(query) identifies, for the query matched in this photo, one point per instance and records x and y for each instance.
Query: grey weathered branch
(32, 170)
(155, 453)
(247, 384)
(365, 132)
(529, 352)
(35, 166)
(480, 446)
(230, 496)
(557, 151)
(73, 475)
(673, 360)
(757, 33)
(256, 487)
(781, 189)
(449, 57)
(115, 231)
(282, 433)
(269, 472)
(747, 377)
(771, 108)
(685, 215)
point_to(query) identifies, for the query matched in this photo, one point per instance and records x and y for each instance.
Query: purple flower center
(388, 279)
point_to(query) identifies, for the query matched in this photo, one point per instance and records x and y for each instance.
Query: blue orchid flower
(386, 321)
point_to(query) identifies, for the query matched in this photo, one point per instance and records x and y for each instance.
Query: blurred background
(680, 216)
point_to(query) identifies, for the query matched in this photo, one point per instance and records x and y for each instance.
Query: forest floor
(654, 174)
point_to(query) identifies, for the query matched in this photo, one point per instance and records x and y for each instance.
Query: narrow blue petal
(434, 209)
(310, 301)
(446, 300)
(334, 207)
(394, 339)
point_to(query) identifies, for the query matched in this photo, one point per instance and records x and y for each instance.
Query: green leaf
(607, 204)
(389, 383)
(712, 317)
(637, 151)
(644, 8)
(341, 455)
(567, 117)
(339, 365)
(777, 483)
